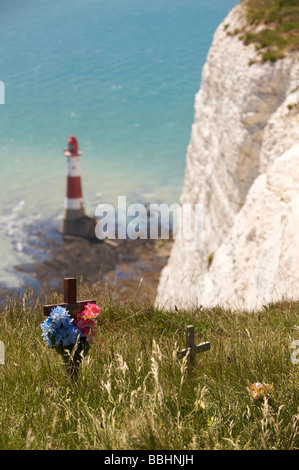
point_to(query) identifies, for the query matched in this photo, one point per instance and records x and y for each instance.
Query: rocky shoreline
(127, 264)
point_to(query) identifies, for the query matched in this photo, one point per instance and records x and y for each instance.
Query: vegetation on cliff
(273, 26)
(133, 393)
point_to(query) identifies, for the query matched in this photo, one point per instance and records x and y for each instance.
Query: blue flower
(59, 328)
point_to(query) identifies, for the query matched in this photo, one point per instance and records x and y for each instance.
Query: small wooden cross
(190, 346)
(70, 299)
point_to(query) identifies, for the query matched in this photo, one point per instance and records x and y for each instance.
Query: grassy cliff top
(133, 393)
(273, 26)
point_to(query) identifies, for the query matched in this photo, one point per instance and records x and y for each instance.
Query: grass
(133, 393)
(280, 32)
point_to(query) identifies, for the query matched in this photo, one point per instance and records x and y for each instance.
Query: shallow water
(122, 76)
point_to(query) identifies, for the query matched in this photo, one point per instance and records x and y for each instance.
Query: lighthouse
(73, 203)
(75, 221)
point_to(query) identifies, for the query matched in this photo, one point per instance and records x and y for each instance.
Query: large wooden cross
(192, 348)
(70, 299)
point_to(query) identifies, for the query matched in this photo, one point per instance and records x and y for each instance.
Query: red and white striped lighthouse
(75, 222)
(73, 203)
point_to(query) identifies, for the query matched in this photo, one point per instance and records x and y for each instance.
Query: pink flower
(86, 321)
(90, 311)
(88, 328)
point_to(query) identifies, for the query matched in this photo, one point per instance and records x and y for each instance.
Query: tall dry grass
(133, 393)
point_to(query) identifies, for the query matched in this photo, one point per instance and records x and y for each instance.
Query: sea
(119, 74)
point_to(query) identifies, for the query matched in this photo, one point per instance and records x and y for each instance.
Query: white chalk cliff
(242, 166)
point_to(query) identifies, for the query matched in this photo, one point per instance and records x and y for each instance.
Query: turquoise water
(122, 76)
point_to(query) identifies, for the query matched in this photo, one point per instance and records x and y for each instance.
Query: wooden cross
(70, 299)
(190, 346)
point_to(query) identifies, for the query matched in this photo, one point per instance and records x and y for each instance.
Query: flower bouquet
(71, 337)
(259, 390)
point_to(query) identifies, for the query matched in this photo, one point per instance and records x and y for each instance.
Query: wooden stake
(70, 299)
(70, 303)
(192, 348)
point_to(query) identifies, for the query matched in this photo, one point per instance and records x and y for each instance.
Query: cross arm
(202, 347)
(70, 299)
(72, 308)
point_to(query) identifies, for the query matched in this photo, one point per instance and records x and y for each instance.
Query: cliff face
(240, 167)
